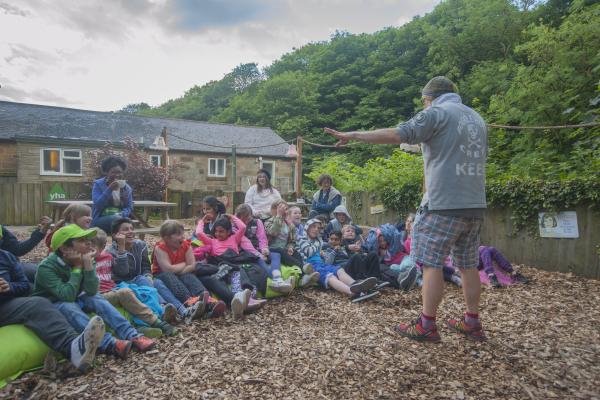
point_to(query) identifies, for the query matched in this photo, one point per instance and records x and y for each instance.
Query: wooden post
(233, 171)
(165, 160)
(298, 177)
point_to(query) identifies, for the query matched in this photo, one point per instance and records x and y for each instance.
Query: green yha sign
(56, 193)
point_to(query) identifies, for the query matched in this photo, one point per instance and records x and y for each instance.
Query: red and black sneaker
(215, 308)
(416, 331)
(142, 343)
(121, 348)
(191, 301)
(472, 331)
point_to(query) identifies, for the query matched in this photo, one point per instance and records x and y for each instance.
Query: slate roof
(21, 120)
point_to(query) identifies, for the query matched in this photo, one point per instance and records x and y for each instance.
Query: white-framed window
(269, 166)
(57, 161)
(216, 167)
(156, 159)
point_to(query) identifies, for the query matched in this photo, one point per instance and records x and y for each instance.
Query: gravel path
(544, 343)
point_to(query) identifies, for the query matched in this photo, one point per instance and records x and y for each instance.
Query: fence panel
(25, 203)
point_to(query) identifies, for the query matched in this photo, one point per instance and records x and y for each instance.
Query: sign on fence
(558, 225)
(56, 193)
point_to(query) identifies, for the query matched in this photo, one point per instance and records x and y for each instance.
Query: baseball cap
(72, 231)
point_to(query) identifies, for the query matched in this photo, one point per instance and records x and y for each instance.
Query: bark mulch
(544, 343)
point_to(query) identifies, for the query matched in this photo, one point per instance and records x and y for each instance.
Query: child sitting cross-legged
(334, 276)
(67, 277)
(174, 263)
(125, 297)
(255, 241)
(225, 248)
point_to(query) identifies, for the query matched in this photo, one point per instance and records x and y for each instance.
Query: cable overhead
(497, 126)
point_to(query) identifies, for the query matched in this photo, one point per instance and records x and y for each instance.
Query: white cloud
(102, 54)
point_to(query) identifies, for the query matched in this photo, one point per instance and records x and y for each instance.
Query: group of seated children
(230, 262)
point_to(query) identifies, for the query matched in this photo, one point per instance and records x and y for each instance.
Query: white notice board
(558, 224)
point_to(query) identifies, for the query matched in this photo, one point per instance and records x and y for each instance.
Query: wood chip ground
(544, 343)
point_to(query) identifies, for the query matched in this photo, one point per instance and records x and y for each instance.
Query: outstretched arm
(377, 136)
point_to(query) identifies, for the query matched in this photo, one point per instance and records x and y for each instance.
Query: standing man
(454, 143)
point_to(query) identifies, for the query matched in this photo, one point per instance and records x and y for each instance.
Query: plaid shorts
(435, 236)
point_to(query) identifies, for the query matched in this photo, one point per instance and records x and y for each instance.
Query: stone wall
(194, 174)
(28, 159)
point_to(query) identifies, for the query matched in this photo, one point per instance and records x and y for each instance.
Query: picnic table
(146, 205)
(299, 204)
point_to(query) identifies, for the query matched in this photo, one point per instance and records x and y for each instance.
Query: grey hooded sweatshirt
(454, 143)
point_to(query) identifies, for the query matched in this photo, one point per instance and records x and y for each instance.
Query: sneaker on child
(358, 297)
(255, 305)
(84, 346)
(363, 285)
(169, 313)
(121, 348)
(237, 305)
(310, 279)
(150, 331)
(165, 328)
(216, 308)
(143, 343)
(281, 286)
(407, 278)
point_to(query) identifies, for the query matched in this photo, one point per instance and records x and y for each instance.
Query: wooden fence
(24, 203)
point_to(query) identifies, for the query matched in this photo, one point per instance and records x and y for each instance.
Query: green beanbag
(21, 350)
(286, 272)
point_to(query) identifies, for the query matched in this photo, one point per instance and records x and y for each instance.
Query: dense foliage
(517, 62)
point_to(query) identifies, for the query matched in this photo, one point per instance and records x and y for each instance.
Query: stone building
(52, 144)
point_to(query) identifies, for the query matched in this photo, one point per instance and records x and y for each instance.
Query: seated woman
(326, 199)
(112, 197)
(261, 195)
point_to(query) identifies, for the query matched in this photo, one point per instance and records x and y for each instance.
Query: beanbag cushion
(21, 350)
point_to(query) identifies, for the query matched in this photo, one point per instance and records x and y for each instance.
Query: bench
(142, 232)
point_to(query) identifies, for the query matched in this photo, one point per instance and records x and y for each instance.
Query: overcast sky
(104, 54)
